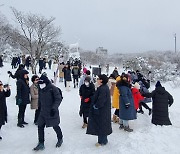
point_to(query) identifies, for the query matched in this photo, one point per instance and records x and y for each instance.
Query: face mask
(86, 83)
(42, 85)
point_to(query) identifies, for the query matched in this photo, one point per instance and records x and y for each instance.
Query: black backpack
(60, 92)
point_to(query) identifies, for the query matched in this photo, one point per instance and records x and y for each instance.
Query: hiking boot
(127, 129)
(59, 143)
(150, 111)
(40, 146)
(84, 125)
(121, 126)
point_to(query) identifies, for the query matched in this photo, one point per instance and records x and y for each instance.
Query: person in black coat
(99, 122)
(41, 65)
(3, 107)
(86, 92)
(161, 101)
(22, 97)
(49, 101)
(67, 77)
(17, 74)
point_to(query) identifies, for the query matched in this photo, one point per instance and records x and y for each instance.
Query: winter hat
(136, 85)
(88, 79)
(43, 79)
(158, 84)
(24, 72)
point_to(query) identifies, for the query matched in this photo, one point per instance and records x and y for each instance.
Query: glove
(127, 106)
(52, 112)
(80, 113)
(9, 72)
(86, 100)
(19, 101)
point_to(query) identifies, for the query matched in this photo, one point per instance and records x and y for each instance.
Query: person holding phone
(4, 92)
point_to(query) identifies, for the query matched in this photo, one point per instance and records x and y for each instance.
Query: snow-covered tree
(35, 34)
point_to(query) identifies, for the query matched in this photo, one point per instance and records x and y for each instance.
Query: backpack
(60, 92)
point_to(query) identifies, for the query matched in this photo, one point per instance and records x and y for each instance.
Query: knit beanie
(136, 85)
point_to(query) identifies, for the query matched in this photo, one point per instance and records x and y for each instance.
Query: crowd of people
(127, 92)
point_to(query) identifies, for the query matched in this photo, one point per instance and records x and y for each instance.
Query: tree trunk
(33, 66)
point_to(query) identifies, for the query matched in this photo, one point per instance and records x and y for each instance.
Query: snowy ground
(146, 138)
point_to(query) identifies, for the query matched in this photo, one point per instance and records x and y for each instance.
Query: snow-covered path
(146, 137)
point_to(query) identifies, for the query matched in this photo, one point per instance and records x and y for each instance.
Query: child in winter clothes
(86, 92)
(144, 85)
(136, 95)
(3, 107)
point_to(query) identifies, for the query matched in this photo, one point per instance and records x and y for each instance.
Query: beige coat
(61, 73)
(34, 96)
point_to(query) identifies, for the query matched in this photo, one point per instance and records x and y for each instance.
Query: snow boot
(59, 143)
(84, 125)
(98, 144)
(40, 146)
(127, 129)
(0, 138)
(117, 120)
(121, 126)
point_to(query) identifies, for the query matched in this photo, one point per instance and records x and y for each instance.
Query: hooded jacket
(161, 100)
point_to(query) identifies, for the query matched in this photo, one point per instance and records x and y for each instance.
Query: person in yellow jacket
(115, 102)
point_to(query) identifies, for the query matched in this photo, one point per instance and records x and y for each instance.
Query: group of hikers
(127, 92)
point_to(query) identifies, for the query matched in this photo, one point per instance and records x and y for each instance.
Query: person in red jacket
(136, 95)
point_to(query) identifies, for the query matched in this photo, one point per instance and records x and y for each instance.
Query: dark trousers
(75, 81)
(65, 83)
(116, 112)
(102, 139)
(0, 127)
(144, 105)
(57, 129)
(85, 119)
(37, 112)
(22, 109)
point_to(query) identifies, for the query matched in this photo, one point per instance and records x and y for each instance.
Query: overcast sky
(117, 25)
